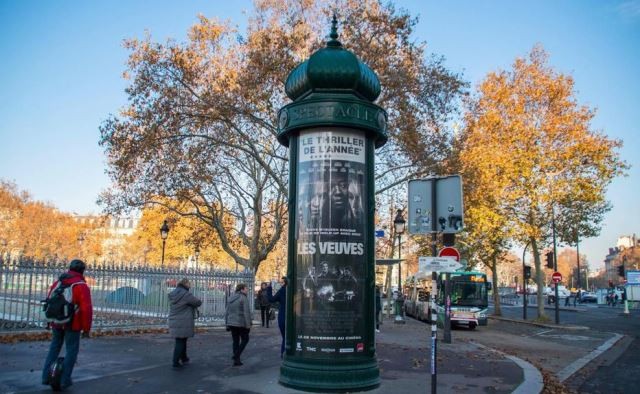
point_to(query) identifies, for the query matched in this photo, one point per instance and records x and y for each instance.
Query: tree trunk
(496, 295)
(539, 278)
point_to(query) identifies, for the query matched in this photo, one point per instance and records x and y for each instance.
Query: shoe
(65, 386)
(185, 360)
(237, 363)
(377, 330)
(177, 366)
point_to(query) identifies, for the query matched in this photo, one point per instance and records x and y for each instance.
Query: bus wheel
(472, 325)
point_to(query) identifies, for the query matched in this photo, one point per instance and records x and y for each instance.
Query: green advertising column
(331, 128)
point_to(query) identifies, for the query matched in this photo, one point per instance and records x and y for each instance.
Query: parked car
(588, 296)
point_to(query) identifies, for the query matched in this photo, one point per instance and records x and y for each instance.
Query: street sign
(420, 206)
(449, 204)
(447, 193)
(449, 252)
(633, 277)
(437, 264)
(556, 277)
(379, 233)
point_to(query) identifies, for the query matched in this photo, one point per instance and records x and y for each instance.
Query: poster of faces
(330, 240)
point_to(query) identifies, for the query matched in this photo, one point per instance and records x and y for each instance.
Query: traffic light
(527, 272)
(549, 258)
(448, 239)
(621, 270)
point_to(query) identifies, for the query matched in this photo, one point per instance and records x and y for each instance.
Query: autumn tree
(199, 129)
(530, 145)
(186, 233)
(40, 231)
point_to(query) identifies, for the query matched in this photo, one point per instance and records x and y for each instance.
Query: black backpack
(59, 307)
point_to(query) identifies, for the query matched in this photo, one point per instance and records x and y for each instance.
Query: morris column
(331, 128)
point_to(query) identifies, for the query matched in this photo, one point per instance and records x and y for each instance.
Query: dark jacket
(281, 299)
(182, 312)
(263, 298)
(238, 313)
(81, 296)
(378, 302)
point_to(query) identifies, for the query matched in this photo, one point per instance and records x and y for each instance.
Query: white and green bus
(469, 298)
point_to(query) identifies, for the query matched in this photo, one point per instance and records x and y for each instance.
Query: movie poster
(330, 243)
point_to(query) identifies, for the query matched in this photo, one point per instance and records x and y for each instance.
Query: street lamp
(164, 233)
(399, 224)
(196, 252)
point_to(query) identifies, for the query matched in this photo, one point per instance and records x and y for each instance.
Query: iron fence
(122, 295)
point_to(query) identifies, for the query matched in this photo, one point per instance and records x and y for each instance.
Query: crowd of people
(183, 311)
(69, 310)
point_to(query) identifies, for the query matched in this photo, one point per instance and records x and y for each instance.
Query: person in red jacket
(69, 333)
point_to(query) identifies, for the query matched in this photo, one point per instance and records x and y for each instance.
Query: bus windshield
(466, 293)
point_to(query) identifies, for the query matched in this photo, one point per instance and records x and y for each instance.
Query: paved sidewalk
(141, 364)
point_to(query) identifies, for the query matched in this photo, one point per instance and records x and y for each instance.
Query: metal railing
(122, 295)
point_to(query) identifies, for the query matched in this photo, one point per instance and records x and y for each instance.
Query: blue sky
(62, 62)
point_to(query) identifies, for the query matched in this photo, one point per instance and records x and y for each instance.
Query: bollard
(626, 307)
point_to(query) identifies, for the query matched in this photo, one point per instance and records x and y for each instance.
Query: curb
(532, 382)
(544, 325)
(575, 366)
(550, 307)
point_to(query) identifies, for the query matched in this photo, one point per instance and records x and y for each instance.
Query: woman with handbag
(238, 320)
(182, 314)
(265, 306)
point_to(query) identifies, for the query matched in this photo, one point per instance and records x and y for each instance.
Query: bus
(469, 298)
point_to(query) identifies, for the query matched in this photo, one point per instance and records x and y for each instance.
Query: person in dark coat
(182, 314)
(238, 320)
(69, 333)
(265, 306)
(281, 298)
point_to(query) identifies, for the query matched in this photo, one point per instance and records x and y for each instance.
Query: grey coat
(182, 312)
(238, 313)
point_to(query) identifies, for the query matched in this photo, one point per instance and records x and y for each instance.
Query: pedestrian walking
(281, 298)
(265, 306)
(73, 287)
(238, 320)
(182, 315)
(378, 308)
